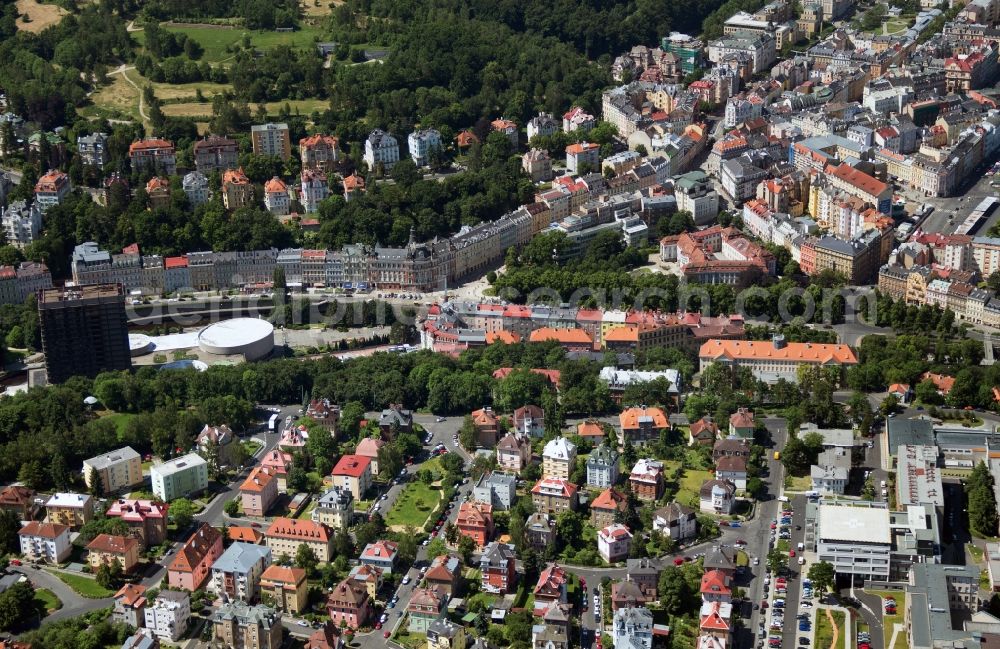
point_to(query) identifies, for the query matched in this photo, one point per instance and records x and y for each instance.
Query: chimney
(779, 341)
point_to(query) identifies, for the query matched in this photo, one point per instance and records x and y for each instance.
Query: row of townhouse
(421, 267)
(480, 323)
(942, 288)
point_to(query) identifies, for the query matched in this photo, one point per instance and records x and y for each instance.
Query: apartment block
(117, 470)
(271, 139)
(179, 477)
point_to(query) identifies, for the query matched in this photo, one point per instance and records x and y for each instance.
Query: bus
(272, 423)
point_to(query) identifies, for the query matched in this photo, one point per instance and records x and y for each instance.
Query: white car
(383, 618)
(406, 580)
(805, 605)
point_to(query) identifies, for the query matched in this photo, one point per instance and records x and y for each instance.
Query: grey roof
(826, 472)
(603, 455)
(246, 614)
(241, 557)
(112, 457)
(674, 511)
(334, 497)
(178, 464)
(640, 567)
(142, 639)
(442, 628)
(909, 432)
(929, 605)
(390, 416)
(719, 557)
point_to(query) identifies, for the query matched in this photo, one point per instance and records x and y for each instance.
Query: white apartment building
(195, 185)
(614, 542)
(421, 144)
(381, 148)
(314, 189)
(21, 223)
(558, 458)
(276, 198)
(236, 574)
(695, 194)
(45, 542)
(167, 617)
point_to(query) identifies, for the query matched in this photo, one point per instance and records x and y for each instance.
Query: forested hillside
(593, 27)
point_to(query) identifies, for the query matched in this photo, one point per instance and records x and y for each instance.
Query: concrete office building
(856, 540)
(84, 330)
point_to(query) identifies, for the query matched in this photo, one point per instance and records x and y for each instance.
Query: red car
(378, 625)
(385, 635)
(15, 562)
(774, 526)
(583, 583)
(678, 561)
(791, 553)
(763, 604)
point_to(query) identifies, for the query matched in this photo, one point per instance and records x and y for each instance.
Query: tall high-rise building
(84, 330)
(271, 139)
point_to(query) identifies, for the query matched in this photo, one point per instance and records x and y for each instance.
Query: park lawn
(889, 621)
(414, 506)
(204, 109)
(896, 25)
(798, 484)
(85, 586)
(215, 41)
(691, 486)
(120, 419)
(47, 600)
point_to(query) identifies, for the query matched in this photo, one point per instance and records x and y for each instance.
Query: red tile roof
(352, 465)
(44, 530)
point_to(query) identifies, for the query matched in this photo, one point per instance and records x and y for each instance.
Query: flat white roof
(858, 524)
(235, 332)
(67, 500)
(178, 464)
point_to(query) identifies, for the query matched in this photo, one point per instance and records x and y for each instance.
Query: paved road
(214, 513)
(75, 604)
